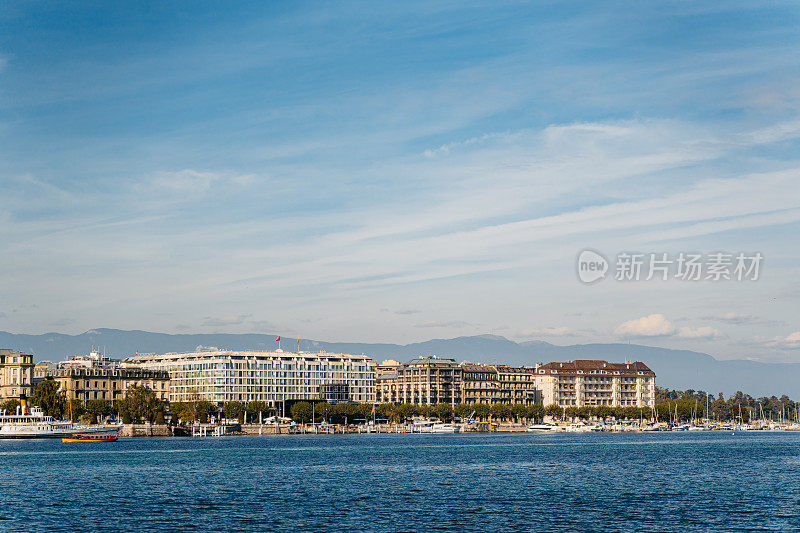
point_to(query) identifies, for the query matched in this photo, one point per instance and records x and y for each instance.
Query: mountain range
(675, 369)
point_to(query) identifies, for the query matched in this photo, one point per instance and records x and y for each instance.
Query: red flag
(278, 339)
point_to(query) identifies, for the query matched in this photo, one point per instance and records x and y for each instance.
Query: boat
(432, 426)
(441, 427)
(90, 437)
(543, 428)
(33, 423)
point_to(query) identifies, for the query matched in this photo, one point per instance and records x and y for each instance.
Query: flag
(278, 339)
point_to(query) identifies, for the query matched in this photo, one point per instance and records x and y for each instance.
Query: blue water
(614, 482)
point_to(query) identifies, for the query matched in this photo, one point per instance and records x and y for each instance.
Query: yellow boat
(82, 437)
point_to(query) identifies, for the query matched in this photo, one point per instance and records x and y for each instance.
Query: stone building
(421, 381)
(16, 374)
(104, 382)
(493, 384)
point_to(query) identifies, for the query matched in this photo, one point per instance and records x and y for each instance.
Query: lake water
(499, 482)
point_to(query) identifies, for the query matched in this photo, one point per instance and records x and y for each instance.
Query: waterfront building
(505, 384)
(96, 377)
(421, 381)
(272, 377)
(16, 374)
(593, 382)
(388, 367)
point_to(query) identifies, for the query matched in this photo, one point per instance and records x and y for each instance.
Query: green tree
(140, 403)
(50, 399)
(255, 408)
(10, 406)
(482, 410)
(519, 411)
(234, 410)
(462, 411)
(443, 411)
(534, 412)
(301, 411)
(98, 409)
(553, 410)
(500, 411)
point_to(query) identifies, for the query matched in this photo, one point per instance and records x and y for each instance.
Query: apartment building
(16, 374)
(594, 382)
(96, 377)
(421, 381)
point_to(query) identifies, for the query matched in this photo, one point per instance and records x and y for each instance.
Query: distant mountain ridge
(676, 369)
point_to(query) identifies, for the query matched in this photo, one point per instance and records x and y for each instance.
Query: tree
(51, 400)
(140, 403)
(10, 406)
(553, 410)
(463, 410)
(535, 412)
(301, 412)
(519, 411)
(98, 409)
(603, 412)
(500, 411)
(255, 408)
(444, 412)
(234, 410)
(482, 410)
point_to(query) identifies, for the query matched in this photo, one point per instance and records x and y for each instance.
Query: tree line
(141, 404)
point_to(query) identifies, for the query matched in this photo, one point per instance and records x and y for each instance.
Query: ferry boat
(32, 423)
(90, 437)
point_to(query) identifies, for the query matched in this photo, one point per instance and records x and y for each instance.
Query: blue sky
(388, 172)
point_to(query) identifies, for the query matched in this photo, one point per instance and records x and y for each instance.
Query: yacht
(441, 427)
(32, 423)
(432, 426)
(543, 428)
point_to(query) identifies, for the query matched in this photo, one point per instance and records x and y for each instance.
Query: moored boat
(33, 423)
(90, 437)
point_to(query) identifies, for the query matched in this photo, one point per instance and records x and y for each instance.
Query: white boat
(578, 427)
(543, 428)
(32, 423)
(432, 426)
(441, 427)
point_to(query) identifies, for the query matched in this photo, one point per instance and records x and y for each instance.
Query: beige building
(272, 377)
(16, 374)
(493, 384)
(104, 382)
(593, 382)
(425, 380)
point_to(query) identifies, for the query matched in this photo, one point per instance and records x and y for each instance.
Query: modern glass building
(272, 377)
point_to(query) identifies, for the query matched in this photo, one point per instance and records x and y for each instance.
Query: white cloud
(407, 311)
(655, 325)
(790, 342)
(701, 333)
